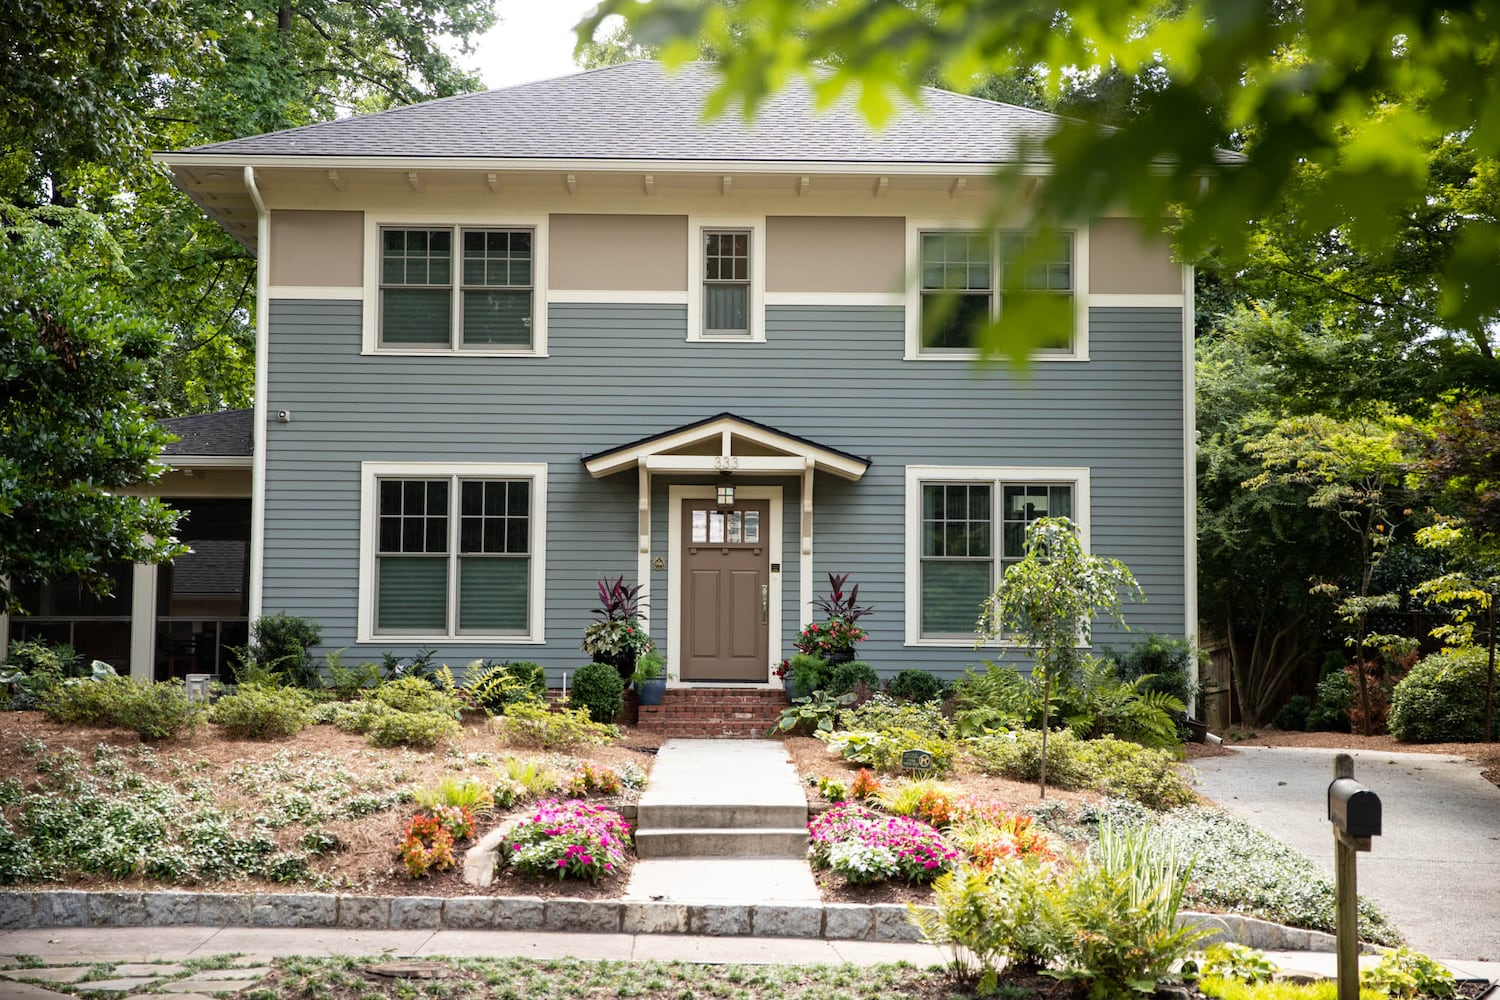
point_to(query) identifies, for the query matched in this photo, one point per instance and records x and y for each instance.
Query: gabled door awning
(726, 443)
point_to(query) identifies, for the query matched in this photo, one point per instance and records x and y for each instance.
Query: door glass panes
(726, 282)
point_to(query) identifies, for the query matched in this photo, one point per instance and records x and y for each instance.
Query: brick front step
(714, 713)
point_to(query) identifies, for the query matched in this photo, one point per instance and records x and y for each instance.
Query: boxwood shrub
(1442, 699)
(598, 689)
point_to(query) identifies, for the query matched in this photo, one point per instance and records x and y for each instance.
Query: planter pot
(837, 656)
(652, 692)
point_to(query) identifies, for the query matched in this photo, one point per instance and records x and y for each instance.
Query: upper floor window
(965, 273)
(726, 283)
(482, 300)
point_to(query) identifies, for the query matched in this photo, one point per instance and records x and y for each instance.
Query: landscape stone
(145, 969)
(171, 909)
(25, 991)
(470, 912)
(65, 974)
(118, 985)
(364, 912)
(719, 919)
(417, 912)
(786, 920)
(198, 984)
(519, 913)
(16, 909)
(224, 909)
(293, 909)
(582, 915)
(117, 909)
(893, 923)
(62, 908)
(654, 918)
(252, 973)
(848, 922)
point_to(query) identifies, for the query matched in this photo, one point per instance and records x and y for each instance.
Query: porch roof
(681, 450)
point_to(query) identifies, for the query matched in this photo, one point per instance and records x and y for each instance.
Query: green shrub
(1166, 662)
(256, 712)
(845, 677)
(809, 673)
(349, 680)
(279, 643)
(882, 749)
(599, 690)
(1011, 914)
(917, 686)
(526, 724)
(1122, 907)
(414, 729)
(1229, 960)
(1404, 974)
(1334, 702)
(493, 686)
(1293, 715)
(1442, 699)
(352, 716)
(31, 669)
(883, 712)
(1114, 767)
(413, 694)
(1240, 869)
(156, 711)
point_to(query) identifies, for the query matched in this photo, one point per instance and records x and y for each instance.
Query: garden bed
(321, 782)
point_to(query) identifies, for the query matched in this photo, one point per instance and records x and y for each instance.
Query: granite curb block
(833, 921)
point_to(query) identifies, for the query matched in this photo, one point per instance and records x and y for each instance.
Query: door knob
(765, 602)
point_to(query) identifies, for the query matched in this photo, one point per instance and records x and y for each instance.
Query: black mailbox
(1353, 808)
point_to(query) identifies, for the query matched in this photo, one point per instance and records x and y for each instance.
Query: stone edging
(885, 922)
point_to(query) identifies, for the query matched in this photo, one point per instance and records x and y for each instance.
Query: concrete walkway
(1435, 869)
(721, 806)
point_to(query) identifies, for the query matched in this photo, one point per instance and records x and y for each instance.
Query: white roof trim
(893, 168)
(811, 455)
(207, 461)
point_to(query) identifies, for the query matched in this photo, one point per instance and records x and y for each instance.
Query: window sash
(726, 282)
(478, 580)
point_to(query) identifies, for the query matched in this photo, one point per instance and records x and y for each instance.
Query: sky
(533, 41)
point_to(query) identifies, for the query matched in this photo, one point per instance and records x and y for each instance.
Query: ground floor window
(964, 527)
(453, 551)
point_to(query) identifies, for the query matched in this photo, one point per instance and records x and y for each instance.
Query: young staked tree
(1047, 603)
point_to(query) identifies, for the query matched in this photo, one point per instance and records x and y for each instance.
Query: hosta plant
(570, 840)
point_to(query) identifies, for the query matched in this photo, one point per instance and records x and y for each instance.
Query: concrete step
(719, 816)
(712, 842)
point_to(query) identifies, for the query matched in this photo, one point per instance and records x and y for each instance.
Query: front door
(726, 576)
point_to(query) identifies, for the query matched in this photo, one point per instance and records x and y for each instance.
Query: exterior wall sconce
(725, 495)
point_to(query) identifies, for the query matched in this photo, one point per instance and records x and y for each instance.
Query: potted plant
(650, 678)
(833, 639)
(618, 637)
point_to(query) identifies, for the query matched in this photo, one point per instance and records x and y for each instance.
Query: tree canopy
(1335, 109)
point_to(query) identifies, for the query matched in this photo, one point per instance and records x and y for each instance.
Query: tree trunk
(1046, 704)
(284, 18)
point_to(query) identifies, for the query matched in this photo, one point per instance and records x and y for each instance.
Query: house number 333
(727, 462)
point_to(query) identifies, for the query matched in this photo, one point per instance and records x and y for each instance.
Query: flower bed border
(885, 922)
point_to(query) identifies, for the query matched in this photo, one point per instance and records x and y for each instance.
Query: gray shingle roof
(230, 432)
(639, 111)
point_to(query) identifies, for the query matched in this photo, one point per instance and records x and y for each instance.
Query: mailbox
(1353, 808)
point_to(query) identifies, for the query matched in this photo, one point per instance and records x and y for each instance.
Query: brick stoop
(714, 713)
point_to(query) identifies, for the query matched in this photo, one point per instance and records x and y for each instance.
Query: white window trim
(370, 473)
(998, 475)
(914, 230)
(757, 228)
(371, 298)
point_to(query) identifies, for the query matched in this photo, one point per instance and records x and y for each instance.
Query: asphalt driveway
(1436, 868)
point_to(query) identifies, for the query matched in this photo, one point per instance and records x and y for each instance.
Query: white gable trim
(725, 429)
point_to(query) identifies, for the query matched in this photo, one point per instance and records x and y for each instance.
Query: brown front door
(725, 598)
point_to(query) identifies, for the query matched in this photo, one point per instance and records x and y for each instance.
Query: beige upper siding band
(618, 252)
(1122, 262)
(835, 254)
(317, 248)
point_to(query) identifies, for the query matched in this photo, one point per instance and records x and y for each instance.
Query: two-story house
(510, 343)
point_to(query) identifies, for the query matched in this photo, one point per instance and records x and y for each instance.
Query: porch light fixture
(724, 495)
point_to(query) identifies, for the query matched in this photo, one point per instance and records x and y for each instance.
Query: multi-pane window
(726, 283)
(966, 543)
(418, 280)
(962, 270)
(453, 556)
